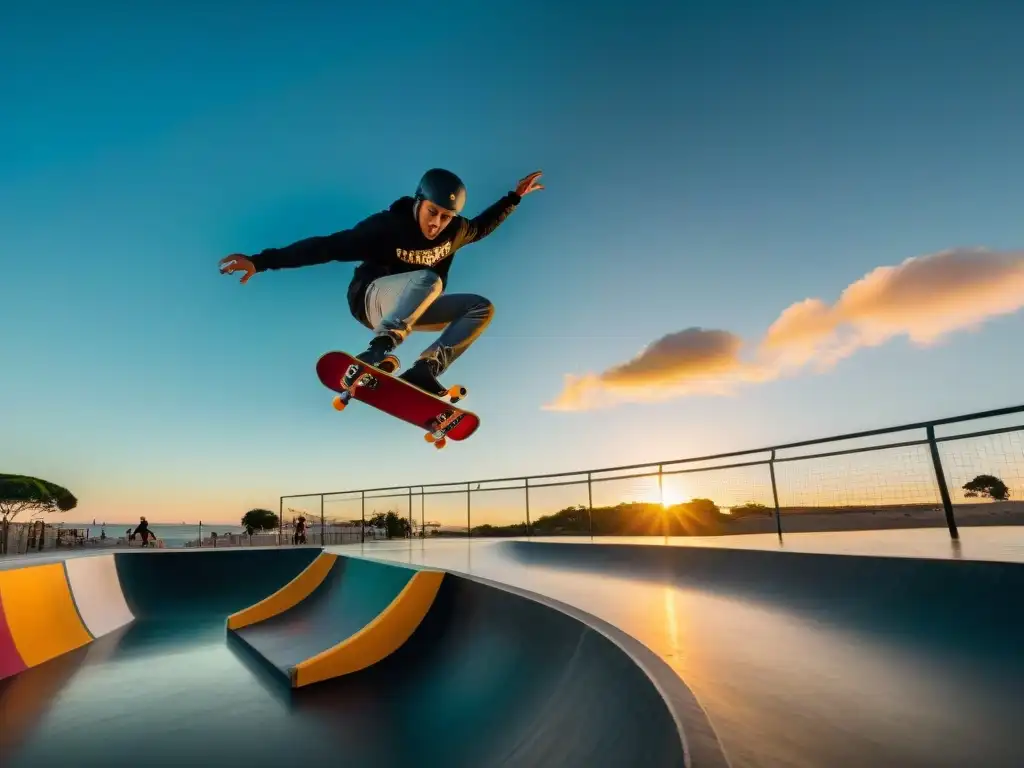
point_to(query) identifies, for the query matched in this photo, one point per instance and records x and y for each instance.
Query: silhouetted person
(300, 531)
(142, 530)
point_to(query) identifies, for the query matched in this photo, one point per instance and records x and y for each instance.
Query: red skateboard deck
(355, 380)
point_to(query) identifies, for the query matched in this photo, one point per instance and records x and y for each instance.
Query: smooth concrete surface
(28, 699)
(990, 543)
(489, 677)
(179, 585)
(803, 659)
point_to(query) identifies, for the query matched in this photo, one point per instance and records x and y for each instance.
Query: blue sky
(707, 165)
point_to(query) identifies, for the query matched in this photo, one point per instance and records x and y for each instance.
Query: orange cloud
(925, 298)
(690, 362)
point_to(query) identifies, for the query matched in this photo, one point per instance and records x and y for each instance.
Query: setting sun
(674, 496)
(668, 497)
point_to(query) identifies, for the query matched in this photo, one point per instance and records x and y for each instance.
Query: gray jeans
(413, 301)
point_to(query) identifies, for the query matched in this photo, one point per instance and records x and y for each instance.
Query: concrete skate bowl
(823, 659)
(273, 657)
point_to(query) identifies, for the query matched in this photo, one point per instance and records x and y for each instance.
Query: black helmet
(442, 188)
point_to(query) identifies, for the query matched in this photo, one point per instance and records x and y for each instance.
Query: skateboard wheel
(339, 403)
(389, 364)
(439, 444)
(429, 437)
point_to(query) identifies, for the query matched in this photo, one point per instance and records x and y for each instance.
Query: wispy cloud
(924, 298)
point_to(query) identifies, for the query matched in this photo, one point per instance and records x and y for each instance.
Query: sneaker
(378, 354)
(423, 374)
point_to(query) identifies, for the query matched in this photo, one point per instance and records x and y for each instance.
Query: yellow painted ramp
(288, 596)
(41, 614)
(378, 639)
(344, 615)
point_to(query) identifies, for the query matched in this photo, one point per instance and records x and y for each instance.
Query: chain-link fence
(961, 471)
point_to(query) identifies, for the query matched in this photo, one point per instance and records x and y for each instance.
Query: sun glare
(670, 497)
(673, 497)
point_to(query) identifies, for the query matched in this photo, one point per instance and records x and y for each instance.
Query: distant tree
(703, 509)
(751, 509)
(986, 485)
(397, 527)
(393, 524)
(21, 493)
(259, 520)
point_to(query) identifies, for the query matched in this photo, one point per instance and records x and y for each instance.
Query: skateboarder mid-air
(405, 252)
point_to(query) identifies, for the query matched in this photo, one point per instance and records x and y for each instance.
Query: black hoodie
(388, 243)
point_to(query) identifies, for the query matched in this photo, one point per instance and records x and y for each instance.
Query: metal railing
(768, 471)
(768, 458)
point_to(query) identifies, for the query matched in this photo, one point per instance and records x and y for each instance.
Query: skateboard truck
(352, 379)
(440, 427)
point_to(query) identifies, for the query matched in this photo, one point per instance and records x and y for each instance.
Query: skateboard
(355, 380)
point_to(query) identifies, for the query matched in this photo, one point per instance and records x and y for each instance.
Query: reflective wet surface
(880, 667)
(811, 661)
(155, 695)
(488, 678)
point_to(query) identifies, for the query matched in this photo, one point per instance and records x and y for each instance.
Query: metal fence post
(590, 505)
(410, 514)
(469, 515)
(280, 521)
(362, 517)
(527, 487)
(940, 478)
(661, 500)
(775, 496)
(323, 524)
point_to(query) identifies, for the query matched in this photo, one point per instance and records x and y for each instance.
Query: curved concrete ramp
(456, 672)
(959, 603)
(50, 610)
(338, 616)
(191, 585)
(97, 593)
(491, 677)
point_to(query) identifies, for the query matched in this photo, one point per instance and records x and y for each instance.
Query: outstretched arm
(484, 223)
(488, 220)
(353, 244)
(348, 245)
